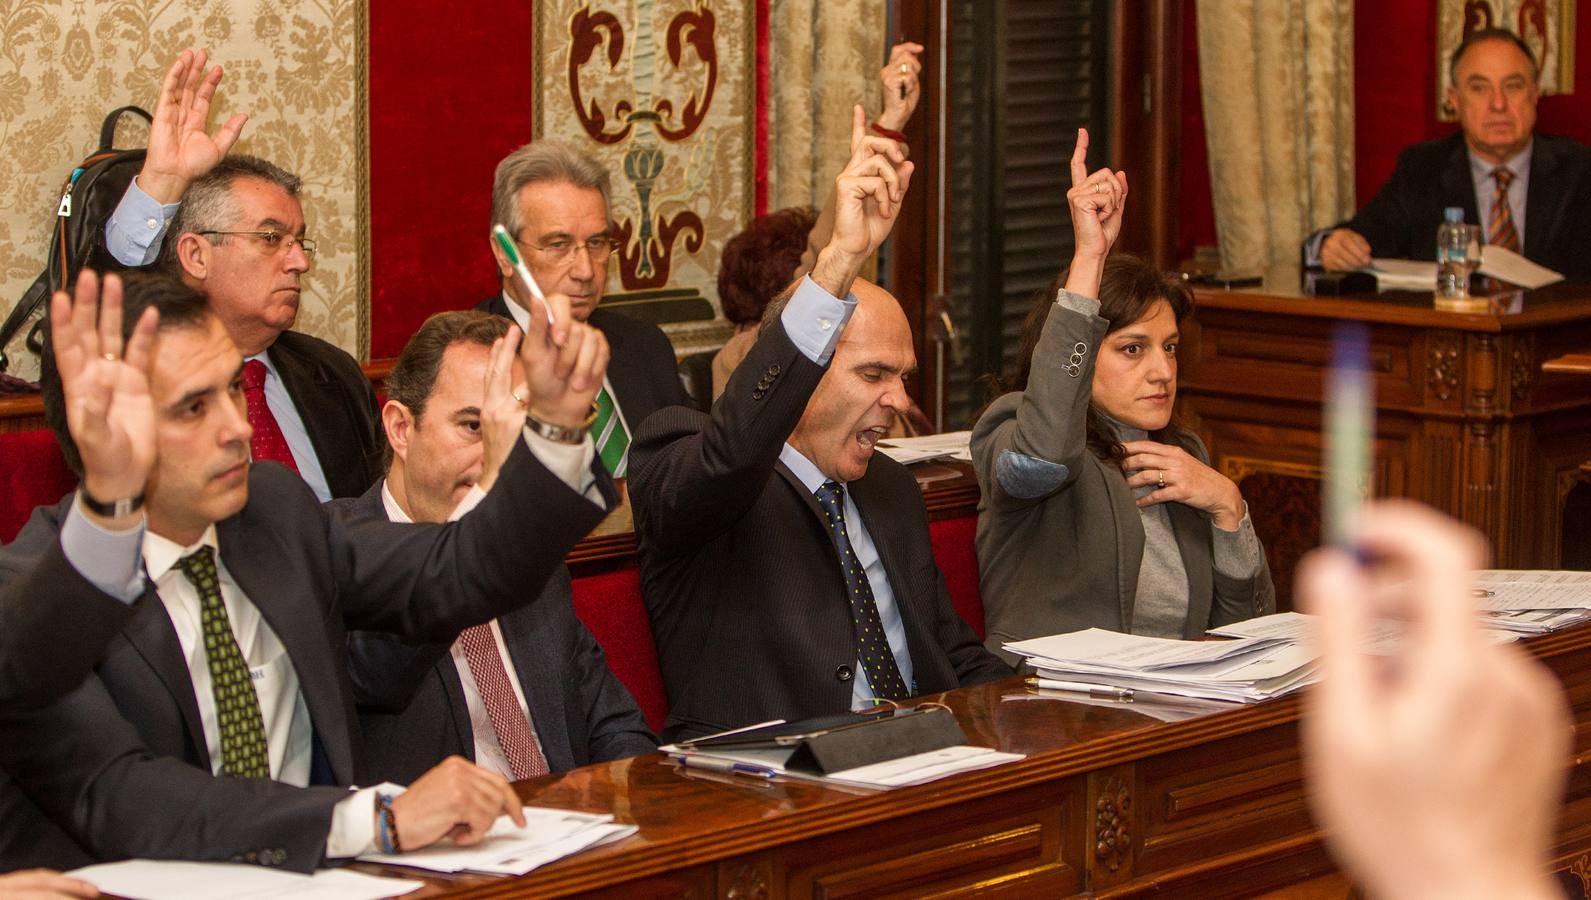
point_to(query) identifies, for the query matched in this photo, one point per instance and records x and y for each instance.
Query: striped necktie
(613, 442)
(1502, 232)
(237, 706)
(883, 674)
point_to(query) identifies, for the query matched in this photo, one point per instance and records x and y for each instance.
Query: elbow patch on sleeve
(1027, 477)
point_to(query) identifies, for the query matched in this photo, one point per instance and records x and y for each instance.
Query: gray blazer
(1060, 540)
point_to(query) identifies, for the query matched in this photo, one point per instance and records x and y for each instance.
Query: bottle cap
(1453, 214)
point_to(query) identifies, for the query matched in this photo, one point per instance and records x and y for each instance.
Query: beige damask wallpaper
(296, 66)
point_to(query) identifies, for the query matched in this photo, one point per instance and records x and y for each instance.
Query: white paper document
(917, 768)
(1496, 262)
(145, 879)
(907, 450)
(1129, 652)
(1516, 589)
(548, 835)
(1402, 274)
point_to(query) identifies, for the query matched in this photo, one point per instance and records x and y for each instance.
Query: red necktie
(502, 707)
(268, 442)
(1502, 233)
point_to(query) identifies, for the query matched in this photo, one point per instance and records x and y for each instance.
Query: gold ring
(1160, 474)
(517, 399)
(905, 69)
(1100, 188)
(111, 357)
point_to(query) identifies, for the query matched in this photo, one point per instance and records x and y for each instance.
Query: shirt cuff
(134, 230)
(570, 462)
(1077, 303)
(472, 498)
(1237, 553)
(109, 560)
(1312, 245)
(814, 319)
(353, 822)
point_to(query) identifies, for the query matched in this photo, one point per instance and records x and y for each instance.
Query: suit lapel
(1193, 542)
(151, 634)
(1546, 198)
(1458, 188)
(298, 624)
(542, 683)
(307, 383)
(624, 370)
(1129, 526)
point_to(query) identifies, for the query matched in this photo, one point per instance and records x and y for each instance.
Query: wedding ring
(1160, 473)
(111, 357)
(1100, 188)
(905, 69)
(517, 399)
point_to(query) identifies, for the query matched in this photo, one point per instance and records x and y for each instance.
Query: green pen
(511, 250)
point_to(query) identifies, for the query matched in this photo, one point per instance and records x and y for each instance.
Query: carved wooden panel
(747, 879)
(1022, 843)
(1285, 510)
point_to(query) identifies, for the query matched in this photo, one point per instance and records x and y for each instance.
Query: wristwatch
(560, 433)
(113, 510)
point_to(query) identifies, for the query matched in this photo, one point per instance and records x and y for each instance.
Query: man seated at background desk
(1529, 192)
(787, 573)
(525, 694)
(553, 199)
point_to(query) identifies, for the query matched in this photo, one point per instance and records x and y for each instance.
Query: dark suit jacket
(741, 580)
(35, 667)
(119, 767)
(642, 369)
(1400, 221)
(338, 407)
(580, 711)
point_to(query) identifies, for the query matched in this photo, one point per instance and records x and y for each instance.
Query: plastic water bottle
(1457, 253)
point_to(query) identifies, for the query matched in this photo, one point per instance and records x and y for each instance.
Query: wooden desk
(1108, 802)
(1466, 419)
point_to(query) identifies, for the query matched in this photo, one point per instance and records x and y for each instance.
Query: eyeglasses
(561, 252)
(274, 241)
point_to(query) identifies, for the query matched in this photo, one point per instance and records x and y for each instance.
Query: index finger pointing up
(1080, 158)
(858, 128)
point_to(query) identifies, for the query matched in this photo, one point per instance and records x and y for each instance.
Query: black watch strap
(114, 509)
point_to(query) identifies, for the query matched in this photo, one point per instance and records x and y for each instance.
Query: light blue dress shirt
(292, 426)
(1480, 172)
(813, 320)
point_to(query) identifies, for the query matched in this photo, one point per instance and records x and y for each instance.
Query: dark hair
(179, 306)
(1128, 288)
(1491, 34)
(758, 261)
(413, 376)
(207, 204)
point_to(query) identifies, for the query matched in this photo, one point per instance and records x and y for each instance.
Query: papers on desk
(145, 879)
(908, 450)
(1512, 590)
(917, 768)
(1244, 670)
(548, 835)
(1496, 262)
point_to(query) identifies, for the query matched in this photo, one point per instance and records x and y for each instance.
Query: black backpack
(88, 197)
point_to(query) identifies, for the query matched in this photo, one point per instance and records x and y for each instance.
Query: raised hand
(457, 799)
(564, 364)
(901, 89)
(1178, 475)
(867, 198)
(1096, 204)
(503, 410)
(179, 149)
(109, 411)
(1436, 772)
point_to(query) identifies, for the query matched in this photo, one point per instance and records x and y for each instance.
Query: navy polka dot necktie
(237, 707)
(883, 675)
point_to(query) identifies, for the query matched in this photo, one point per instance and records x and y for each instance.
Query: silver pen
(1101, 691)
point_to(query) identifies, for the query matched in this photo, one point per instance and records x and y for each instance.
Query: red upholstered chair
(610, 605)
(34, 473)
(957, 556)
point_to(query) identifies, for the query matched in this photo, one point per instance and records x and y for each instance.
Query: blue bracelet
(386, 835)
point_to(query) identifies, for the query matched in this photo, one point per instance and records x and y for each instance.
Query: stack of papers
(1516, 590)
(1496, 262)
(1244, 670)
(917, 768)
(146, 879)
(1383, 638)
(548, 835)
(908, 450)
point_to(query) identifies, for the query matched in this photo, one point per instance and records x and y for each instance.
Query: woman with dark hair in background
(757, 264)
(1096, 510)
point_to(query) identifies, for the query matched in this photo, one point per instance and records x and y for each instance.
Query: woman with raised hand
(1096, 511)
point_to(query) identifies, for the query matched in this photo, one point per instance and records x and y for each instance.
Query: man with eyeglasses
(553, 199)
(233, 230)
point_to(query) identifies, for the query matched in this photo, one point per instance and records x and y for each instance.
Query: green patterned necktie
(613, 442)
(237, 707)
